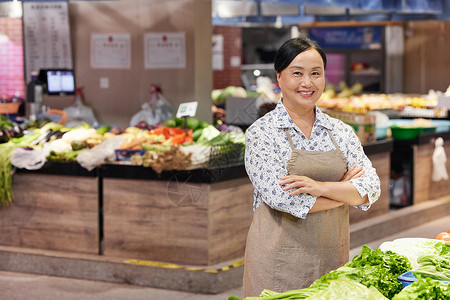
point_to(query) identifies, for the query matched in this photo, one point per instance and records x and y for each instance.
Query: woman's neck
(304, 119)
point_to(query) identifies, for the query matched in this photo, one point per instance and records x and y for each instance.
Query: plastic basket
(408, 278)
(226, 155)
(9, 108)
(125, 155)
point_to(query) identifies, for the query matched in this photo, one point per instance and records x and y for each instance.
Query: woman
(306, 168)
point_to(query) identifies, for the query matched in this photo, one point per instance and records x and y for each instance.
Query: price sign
(187, 109)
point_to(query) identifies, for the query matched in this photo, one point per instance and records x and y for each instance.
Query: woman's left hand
(301, 184)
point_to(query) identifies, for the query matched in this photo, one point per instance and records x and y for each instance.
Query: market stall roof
(290, 12)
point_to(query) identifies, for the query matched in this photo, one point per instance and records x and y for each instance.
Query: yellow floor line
(234, 264)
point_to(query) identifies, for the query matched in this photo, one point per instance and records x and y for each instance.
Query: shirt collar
(283, 120)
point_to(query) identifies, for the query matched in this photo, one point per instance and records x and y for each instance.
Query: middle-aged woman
(306, 168)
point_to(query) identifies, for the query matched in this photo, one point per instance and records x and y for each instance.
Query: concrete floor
(18, 286)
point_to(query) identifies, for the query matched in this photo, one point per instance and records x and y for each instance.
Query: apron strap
(289, 138)
(332, 138)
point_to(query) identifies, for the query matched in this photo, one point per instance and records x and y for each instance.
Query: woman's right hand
(352, 173)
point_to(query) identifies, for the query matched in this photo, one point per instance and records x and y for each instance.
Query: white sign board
(217, 52)
(110, 51)
(47, 42)
(165, 50)
(187, 109)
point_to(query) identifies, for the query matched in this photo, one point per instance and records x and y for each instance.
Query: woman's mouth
(309, 93)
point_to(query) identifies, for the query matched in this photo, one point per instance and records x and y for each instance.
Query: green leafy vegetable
(412, 248)
(348, 290)
(424, 289)
(433, 266)
(5, 165)
(371, 268)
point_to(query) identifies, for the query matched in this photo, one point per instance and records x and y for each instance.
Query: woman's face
(303, 81)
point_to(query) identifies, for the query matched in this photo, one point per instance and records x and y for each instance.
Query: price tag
(187, 109)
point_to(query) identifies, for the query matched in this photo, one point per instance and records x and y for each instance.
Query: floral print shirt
(267, 153)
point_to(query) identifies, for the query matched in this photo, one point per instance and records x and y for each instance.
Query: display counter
(195, 217)
(420, 158)
(54, 208)
(198, 217)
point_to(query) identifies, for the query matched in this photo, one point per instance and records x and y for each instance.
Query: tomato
(444, 236)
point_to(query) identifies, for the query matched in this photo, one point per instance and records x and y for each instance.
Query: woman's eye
(316, 73)
(297, 73)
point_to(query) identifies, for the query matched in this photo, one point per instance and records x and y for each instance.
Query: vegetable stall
(175, 194)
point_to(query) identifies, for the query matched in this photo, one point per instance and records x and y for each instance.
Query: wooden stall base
(176, 221)
(52, 212)
(424, 187)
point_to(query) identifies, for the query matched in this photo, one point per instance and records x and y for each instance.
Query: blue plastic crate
(125, 155)
(408, 278)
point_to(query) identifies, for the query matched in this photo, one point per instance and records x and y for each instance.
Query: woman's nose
(305, 81)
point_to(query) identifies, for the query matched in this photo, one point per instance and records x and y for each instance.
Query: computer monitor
(58, 81)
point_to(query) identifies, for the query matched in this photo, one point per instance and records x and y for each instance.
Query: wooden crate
(179, 222)
(52, 212)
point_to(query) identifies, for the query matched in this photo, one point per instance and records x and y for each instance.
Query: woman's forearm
(344, 192)
(323, 204)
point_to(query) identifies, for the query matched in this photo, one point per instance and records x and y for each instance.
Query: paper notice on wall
(217, 52)
(47, 41)
(110, 51)
(165, 50)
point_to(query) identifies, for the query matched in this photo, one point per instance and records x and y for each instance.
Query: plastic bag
(155, 111)
(32, 159)
(103, 152)
(79, 112)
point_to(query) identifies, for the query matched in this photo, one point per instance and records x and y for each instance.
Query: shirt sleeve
(369, 183)
(265, 165)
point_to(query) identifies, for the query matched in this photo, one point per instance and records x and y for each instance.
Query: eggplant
(4, 137)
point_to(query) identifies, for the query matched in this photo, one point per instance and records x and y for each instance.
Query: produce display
(177, 144)
(405, 105)
(376, 274)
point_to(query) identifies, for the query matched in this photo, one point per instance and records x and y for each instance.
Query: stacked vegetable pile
(172, 146)
(373, 274)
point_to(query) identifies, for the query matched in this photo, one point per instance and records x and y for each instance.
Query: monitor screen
(60, 82)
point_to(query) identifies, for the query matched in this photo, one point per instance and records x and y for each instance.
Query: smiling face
(303, 80)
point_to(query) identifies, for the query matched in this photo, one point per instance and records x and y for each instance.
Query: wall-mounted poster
(165, 50)
(46, 34)
(217, 52)
(110, 51)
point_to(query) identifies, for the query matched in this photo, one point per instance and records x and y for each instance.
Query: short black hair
(293, 47)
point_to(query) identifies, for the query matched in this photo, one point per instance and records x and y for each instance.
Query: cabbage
(424, 289)
(348, 290)
(413, 248)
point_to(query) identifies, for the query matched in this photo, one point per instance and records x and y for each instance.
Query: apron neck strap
(289, 138)
(332, 138)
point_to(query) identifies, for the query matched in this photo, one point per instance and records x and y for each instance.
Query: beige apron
(284, 252)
